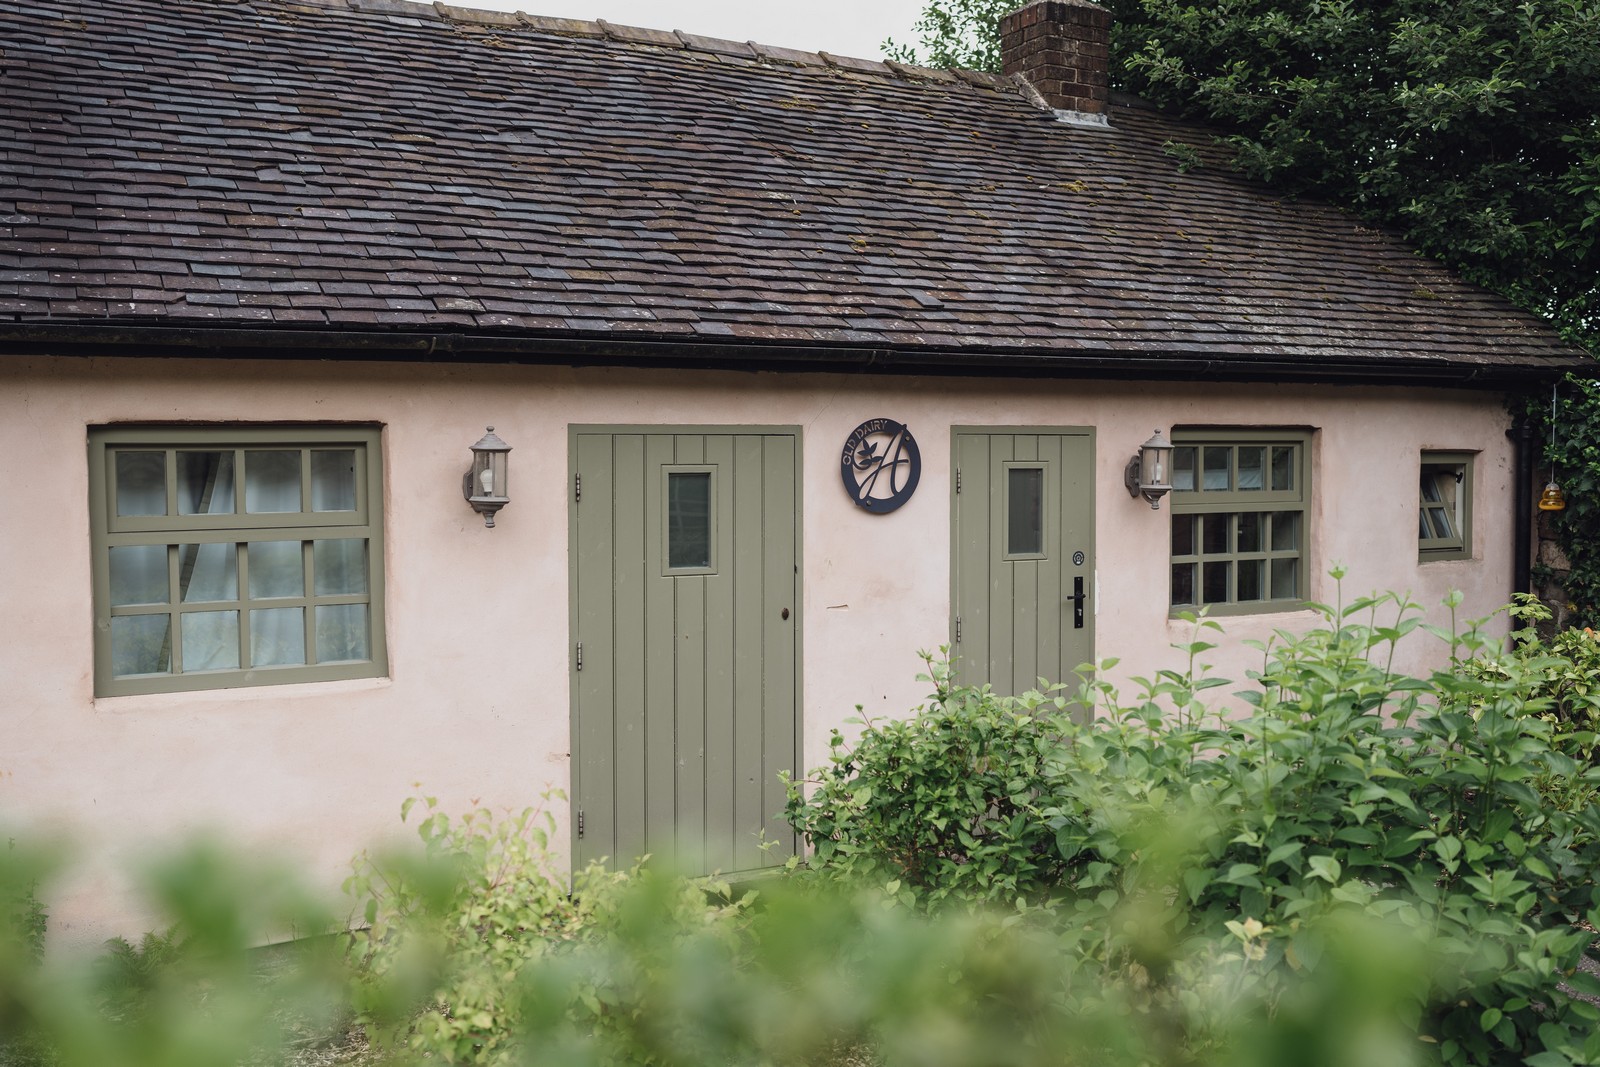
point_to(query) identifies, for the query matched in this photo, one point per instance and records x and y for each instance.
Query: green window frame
(237, 555)
(1444, 506)
(1240, 520)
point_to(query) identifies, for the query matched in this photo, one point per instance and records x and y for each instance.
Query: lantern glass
(485, 484)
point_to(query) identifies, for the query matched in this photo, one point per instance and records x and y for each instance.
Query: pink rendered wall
(319, 770)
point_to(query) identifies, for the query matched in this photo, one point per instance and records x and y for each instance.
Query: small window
(1239, 537)
(1024, 512)
(235, 556)
(689, 520)
(1444, 510)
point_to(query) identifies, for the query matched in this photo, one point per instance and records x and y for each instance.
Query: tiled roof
(373, 166)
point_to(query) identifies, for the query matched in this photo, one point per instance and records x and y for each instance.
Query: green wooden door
(686, 628)
(1023, 558)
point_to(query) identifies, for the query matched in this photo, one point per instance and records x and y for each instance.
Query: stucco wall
(476, 702)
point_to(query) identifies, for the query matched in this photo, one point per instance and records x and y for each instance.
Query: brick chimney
(1062, 49)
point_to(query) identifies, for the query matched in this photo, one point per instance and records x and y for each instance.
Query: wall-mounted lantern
(1148, 473)
(484, 485)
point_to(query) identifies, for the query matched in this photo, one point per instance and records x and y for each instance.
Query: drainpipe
(1521, 434)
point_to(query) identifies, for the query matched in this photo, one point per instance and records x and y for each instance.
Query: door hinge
(958, 629)
(958, 479)
(577, 488)
(580, 656)
(580, 822)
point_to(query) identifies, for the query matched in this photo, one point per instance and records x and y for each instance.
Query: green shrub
(1439, 805)
(943, 804)
(1559, 678)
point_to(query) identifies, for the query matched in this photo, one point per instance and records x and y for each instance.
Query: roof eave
(603, 349)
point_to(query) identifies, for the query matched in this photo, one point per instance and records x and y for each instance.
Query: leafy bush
(1559, 678)
(452, 934)
(944, 803)
(1439, 805)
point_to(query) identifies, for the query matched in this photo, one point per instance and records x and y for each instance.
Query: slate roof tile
(386, 165)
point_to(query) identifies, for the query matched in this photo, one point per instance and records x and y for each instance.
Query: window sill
(244, 694)
(1235, 611)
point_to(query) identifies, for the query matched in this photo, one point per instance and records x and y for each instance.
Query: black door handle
(1078, 596)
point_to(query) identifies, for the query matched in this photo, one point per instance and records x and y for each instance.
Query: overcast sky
(843, 27)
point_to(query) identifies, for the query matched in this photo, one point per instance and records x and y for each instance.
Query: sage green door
(686, 637)
(1023, 558)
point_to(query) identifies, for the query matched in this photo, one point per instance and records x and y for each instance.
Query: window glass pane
(1183, 535)
(341, 566)
(1218, 460)
(689, 519)
(1282, 468)
(1249, 532)
(1214, 539)
(277, 637)
(1025, 511)
(1252, 467)
(341, 632)
(1438, 524)
(210, 640)
(272, 481)
(141, 483)
(1216, 581)
(1183, 583)
(1182, 469)
(1285, 531)
(141, 644)
(333, 480)
(276, 569)
(138, 574)
(1251, 572)
(207, 572)
(1285, 578)
(205, 483)
(1430, 487)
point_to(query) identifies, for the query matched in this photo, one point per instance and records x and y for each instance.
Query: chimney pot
(1062, 49)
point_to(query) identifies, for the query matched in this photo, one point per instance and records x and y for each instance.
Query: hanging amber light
(1552, 499)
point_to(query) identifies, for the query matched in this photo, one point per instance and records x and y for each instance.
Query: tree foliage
(1470, 126)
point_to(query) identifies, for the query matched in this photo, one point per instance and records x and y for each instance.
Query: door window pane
(210, 640)
(277, 637)
(138, 575)
(276, 569)
(340, 565)
(141, 483)
(1024, 511)
(688, 519)
(272, 482)
(341, 632)
(208, 572)
(141, 644)
(205, 483)
(333, 480)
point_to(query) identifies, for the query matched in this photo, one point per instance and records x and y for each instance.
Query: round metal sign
(881, 465)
